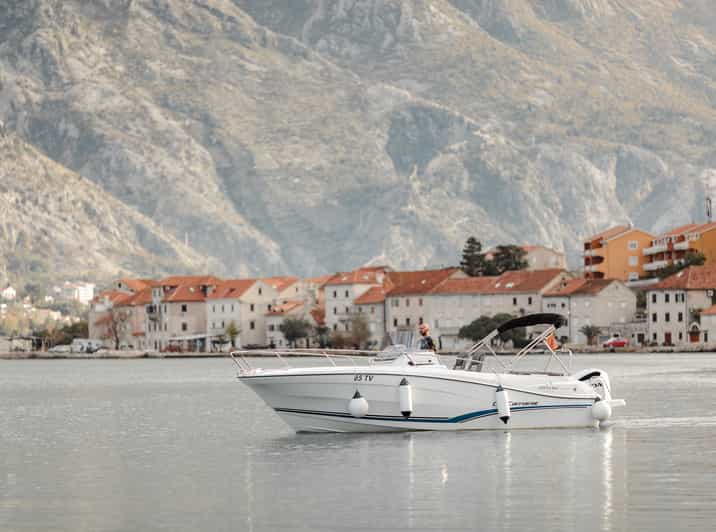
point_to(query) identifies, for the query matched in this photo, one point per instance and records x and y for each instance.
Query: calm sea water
(180, 445)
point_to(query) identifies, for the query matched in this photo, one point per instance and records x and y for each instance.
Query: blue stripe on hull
(457, 419)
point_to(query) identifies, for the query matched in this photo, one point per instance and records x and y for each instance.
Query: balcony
(653, 266)
(592, 269)
(592, 253)
(682, 246)
(653, 250)
(153, 312)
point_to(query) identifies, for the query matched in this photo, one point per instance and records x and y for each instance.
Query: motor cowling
(598, 380)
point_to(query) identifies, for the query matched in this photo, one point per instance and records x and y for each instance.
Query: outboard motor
(598, 380)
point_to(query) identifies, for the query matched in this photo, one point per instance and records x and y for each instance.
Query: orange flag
(551, 342)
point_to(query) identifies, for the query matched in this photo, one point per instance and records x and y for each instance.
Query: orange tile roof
(469, 285)
(691, 278)
(135, 285)
(417, 282)
(580, 287)
(609, 233)
(359, 276)
(143, 297)
(375, 294)
(185, 294)
(285, 308)
(280, 283)
(116, 297)
(320, 280)
(231, 288)
(509, 282)
(689, 228)
(196, 280)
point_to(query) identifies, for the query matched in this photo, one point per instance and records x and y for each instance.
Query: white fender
(601, 410)
(502, 401)
(358, 406)
(406, 397)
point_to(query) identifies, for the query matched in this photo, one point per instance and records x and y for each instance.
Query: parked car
(60, 349)
(616, 341)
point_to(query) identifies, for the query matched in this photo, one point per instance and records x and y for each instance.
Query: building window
(706, 336)
(653, 337)
(272, 327)
(395, 322)
(251, 307)
(666, 297)
(633, 276)
(681, 336)
(514, 301)
(335, 310)
(335, 326)
(667, 317)
(653, 298)
(348, 311)
(335, 293)
(269, 307)
(184, 326)
(653, 317)
(633, 261)
(348, 326)
(395, 302)
(232, 307)
(372, 309)
(420, 320)
(529, 300)
(223, 324)
(347, 293)
(166, 327)
(252, 325)
(407, 302)
(213, 308)
(222, 308)
(437, 324)
(407, 321)
(681, 316)
(260, 291)
(633, 244)
(420, 302)
(183, 308)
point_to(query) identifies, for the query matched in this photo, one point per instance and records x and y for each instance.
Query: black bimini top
(533, 319)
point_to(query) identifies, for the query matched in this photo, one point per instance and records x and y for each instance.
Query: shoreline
(134, 355)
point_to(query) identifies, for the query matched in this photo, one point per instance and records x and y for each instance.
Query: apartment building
(176, 316)
(673, 246)
(244, 302)
(617, 253)
(121, 309)
(675, 305)
(598, 302)
(458, 301)
(297, 310)
(407, 304)
(287, 287)
(371, 305)
(341, 291)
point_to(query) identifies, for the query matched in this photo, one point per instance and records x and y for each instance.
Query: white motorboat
(401, 389)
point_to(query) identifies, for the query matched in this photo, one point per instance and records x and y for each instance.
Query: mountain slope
(314, 135)
(55, 224)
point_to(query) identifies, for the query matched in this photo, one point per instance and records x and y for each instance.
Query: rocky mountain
(307, 136)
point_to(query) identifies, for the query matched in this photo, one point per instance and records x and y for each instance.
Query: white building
(341, 291)
(674, 307)
(244, 302)
(598, 302)
(80, 292)
(371, 305)
(9, 293)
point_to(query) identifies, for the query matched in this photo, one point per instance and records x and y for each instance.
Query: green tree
(482, 326)
(691, 259)
(508, 258)
(360, 331)
(232, 331)
(592, 332)
(473, 260)
(294, 329)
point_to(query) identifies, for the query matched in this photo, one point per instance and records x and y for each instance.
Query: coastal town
(645, 290)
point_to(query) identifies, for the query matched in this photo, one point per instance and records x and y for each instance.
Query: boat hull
(442, 400)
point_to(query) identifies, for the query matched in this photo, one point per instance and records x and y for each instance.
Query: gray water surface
(181, 445)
